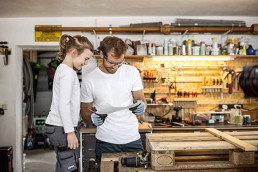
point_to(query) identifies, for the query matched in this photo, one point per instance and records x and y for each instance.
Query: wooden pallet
(210, 150)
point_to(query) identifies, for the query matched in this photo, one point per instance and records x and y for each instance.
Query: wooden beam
(239, 143)
(208, 166)
(165, 29)
(196, 138)
(196, 145)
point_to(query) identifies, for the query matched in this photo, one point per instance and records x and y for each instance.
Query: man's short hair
(113, 43)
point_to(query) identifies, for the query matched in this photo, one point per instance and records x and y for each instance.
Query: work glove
(96, 119)
(140, 109)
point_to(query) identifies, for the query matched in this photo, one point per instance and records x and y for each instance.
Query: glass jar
(159, 51)
(233, 46)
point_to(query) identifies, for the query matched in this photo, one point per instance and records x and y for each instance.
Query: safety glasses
(112, 62)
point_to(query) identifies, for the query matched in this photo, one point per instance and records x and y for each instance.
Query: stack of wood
(208, 150)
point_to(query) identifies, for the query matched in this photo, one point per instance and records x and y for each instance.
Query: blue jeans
(104, 147)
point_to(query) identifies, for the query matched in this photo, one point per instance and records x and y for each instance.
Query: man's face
(112, 63)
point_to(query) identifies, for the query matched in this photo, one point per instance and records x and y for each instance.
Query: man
(119, 85)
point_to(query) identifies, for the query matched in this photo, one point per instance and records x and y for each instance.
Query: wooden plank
(183, 138)
(196, 145)
(147, 143)
(208, 166)
(206, 170)
(201, 158)
(247, 137)
(201, 152)
(191, 145)
(239, 143)
(196, 138)
(203, 134)
(244, 133)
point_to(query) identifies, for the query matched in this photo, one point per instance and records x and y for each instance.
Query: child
(61, 124)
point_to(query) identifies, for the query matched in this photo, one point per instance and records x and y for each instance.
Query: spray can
(170, 49)
(166, 47)
(189, 47)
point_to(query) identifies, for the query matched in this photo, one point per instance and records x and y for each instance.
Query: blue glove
(96, 119)
(140, 109)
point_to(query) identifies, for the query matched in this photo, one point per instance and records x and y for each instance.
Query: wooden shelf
(165, 29)
(167, 104)
(188, 57)
(245, 56)
(126, 57)
(184, 99)
(216, 86)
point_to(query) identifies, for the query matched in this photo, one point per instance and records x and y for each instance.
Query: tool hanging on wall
(229, 80)
(4, 51)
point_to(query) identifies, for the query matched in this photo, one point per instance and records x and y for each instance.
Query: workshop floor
(40, 160)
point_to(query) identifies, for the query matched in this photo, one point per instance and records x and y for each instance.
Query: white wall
(19, 32)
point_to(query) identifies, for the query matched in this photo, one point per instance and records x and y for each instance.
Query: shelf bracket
(226, 33)
(185, 32)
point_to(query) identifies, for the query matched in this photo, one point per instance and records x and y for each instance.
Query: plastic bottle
(189, 47)
(153, 49)
(215, 50)
(202, 48)
(149, 49)
(170, 49)
(244, 50)
(165, 46)
(183, 50)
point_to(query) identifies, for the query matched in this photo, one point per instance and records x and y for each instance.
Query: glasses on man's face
(112, 62)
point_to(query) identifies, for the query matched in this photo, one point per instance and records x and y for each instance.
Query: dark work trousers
(66, 159)
(104, 147)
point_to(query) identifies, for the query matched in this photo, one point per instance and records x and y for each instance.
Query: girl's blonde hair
(78, 42)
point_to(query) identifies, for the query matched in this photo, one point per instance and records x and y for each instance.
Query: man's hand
(140, 109)
(72, 140)
(96, 119)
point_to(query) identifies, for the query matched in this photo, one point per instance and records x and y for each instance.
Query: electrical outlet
(4, 106)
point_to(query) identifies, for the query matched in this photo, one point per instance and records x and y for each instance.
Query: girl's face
(82, 59)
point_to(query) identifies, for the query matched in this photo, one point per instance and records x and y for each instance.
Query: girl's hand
(72, 140)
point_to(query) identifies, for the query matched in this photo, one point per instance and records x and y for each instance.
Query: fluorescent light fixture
(191, 58)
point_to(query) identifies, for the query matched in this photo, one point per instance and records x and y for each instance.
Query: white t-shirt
(65, 107)
(120, 127)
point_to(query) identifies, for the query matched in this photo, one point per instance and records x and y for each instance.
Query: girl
(61, 123)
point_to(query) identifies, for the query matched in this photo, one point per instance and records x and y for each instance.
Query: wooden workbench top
(143, 128)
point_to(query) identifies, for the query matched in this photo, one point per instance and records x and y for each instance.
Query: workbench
(87, 137)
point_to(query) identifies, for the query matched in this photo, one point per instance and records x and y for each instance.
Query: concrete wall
(19, 32)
